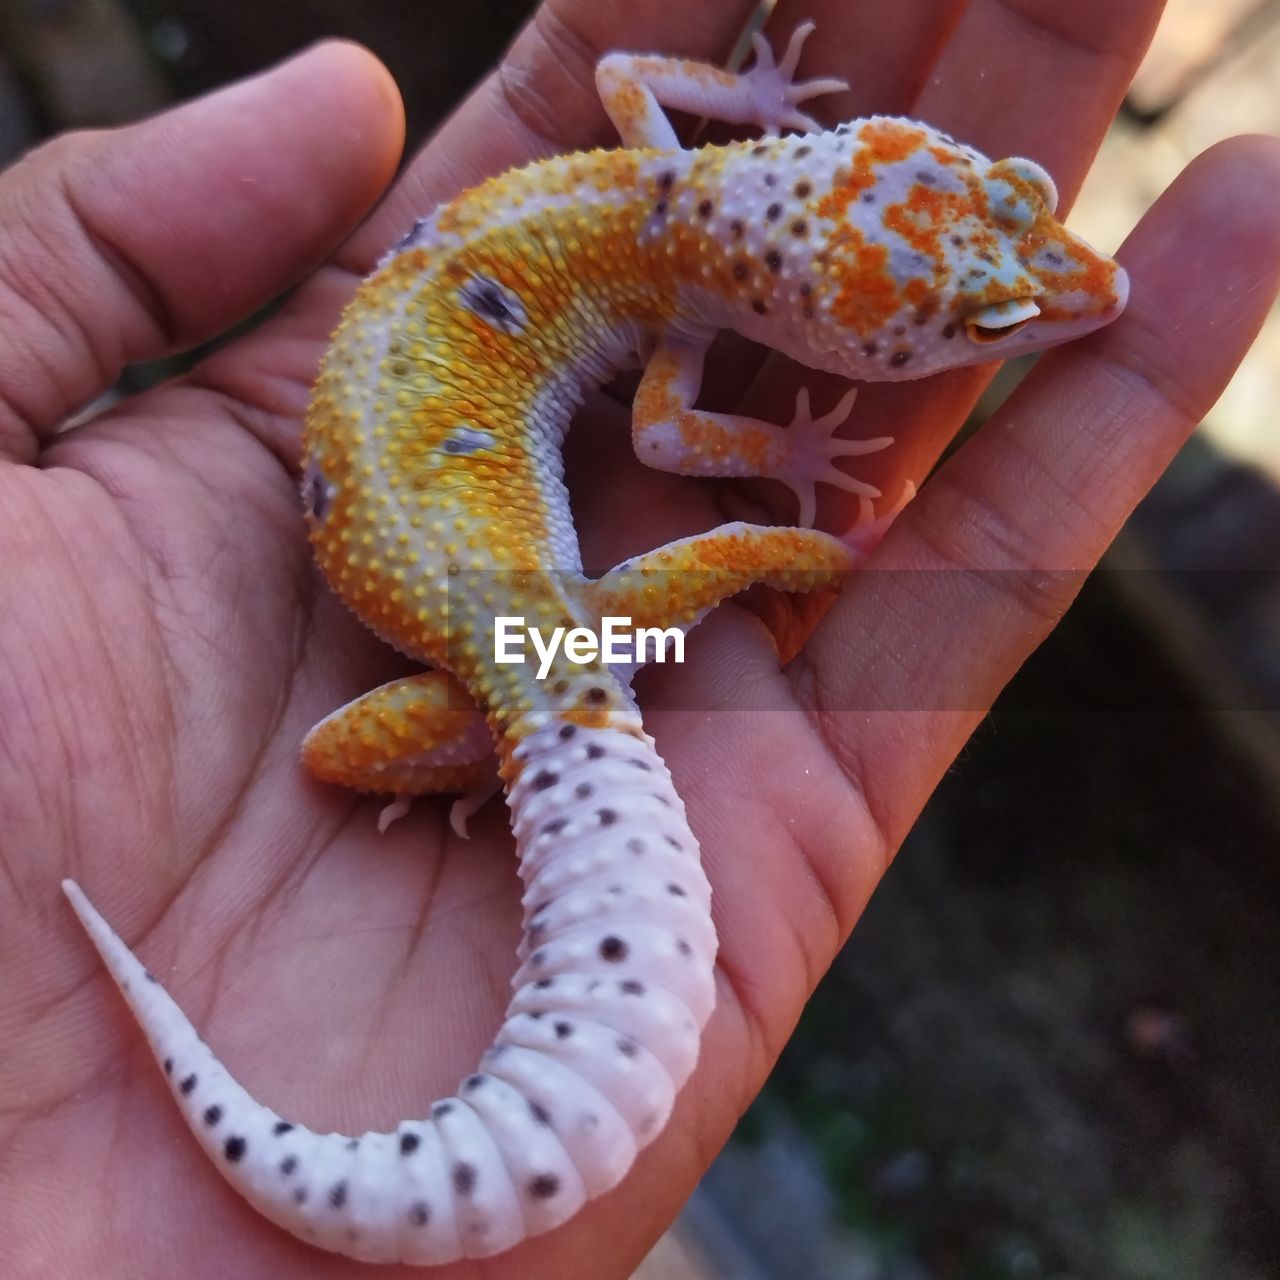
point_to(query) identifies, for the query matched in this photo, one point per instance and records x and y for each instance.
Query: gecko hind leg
(416, 736)
(676, 585)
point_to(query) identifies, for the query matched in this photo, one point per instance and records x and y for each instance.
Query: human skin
(165, 642)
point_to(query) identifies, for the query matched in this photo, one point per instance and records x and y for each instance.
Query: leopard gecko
(433, 485)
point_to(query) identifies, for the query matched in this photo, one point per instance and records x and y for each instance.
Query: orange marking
(888, 141)
(849, 185)
(925, 217)
(683, 71)
(868, 295)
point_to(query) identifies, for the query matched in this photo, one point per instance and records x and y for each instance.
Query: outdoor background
(1051, 1048)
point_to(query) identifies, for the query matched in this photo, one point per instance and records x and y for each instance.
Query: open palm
(166, 642)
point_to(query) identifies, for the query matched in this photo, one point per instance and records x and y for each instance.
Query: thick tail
(615, 986)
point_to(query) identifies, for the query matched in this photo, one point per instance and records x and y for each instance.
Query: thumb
(128, 244)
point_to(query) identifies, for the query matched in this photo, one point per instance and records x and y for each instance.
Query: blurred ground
(1050, 1049)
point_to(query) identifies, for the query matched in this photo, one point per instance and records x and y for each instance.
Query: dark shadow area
(1050, 1046)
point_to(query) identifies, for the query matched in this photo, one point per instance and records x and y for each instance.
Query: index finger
(541, 100)
(1016, 77)
(1038, 78)
(984, 564)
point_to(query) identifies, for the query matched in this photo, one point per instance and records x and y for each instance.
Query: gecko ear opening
(1034, 175)
(998, 322)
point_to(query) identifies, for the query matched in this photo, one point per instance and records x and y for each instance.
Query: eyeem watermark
(619, 643)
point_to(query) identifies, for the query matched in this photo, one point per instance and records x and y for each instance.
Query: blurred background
(1051, 1048)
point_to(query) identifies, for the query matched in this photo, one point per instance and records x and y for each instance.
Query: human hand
(167, 643)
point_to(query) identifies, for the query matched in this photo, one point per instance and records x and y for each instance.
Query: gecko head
(1032, 283)
(958, 261)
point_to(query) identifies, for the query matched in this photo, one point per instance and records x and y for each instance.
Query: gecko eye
(996, 323)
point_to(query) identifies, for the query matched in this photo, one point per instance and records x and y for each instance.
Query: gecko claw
(393, 813)
(869, 529)
(466, 806)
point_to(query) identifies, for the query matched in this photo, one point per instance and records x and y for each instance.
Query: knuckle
(968, 532)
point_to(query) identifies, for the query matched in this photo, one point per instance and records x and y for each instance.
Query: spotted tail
(615, 986)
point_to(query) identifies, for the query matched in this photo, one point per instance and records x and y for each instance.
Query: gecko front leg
(634, 89)
(670, 434)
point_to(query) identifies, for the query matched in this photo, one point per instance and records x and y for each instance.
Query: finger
(981, 567)
(883, 49)
(886, 51)
(126, 245)
(1066, 67)
(541, 99)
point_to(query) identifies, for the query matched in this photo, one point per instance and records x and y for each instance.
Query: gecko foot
(774, 91)
(812, 449)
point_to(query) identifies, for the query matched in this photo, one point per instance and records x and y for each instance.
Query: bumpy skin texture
(436, 504)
